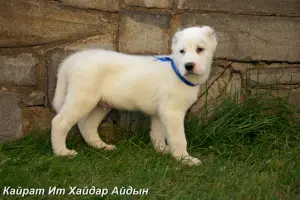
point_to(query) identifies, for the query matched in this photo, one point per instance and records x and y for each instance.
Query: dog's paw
(190, 161)
(66, 152)
(161, 149)
(110, 147)
(195, 162)
(102, 145)
(164, 150)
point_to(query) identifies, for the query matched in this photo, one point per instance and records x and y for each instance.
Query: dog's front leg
(157, 135)
(174, 123)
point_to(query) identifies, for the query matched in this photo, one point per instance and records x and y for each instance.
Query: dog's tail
(61, 87)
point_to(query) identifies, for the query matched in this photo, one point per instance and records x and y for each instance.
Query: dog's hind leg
(157, 135)
(88, 127)
(71, 112)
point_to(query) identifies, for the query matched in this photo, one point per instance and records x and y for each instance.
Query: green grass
(249, 151)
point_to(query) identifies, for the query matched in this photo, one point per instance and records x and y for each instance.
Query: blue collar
(168, 59)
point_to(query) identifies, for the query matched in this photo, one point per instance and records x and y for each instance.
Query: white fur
(130, 82)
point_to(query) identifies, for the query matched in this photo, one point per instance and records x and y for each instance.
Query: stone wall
(259, 47)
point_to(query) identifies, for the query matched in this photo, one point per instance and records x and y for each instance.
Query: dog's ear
(211, 34)
(175, 39)
(209, 30)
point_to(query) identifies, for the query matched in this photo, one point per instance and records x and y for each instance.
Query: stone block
(242, 67)
(28, 96)
(279, 65)
(287, 7)
(106, 5)
(32, 22)
(142, 33)
(17, 120)
(218, 68)
(53, 59)
(34, 98)
(150, 3)
(222, 87)
(246, 37)
(275, 76)
(134, 121)
(104, 41)
(107, 132)
(36, 118)
(19, 69)
(292, 95)
(11, 117)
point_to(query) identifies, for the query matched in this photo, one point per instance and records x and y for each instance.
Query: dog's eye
(199, 50)
(182, 51)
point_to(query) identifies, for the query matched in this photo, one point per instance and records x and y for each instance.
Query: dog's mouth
(188, 73)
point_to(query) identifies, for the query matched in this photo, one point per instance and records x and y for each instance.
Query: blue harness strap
(168, 59)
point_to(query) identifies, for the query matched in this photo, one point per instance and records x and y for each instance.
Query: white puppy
(92, 78)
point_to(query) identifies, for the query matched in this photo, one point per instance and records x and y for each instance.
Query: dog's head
(193, 49)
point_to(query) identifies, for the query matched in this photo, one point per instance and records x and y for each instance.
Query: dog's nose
(189, 66)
